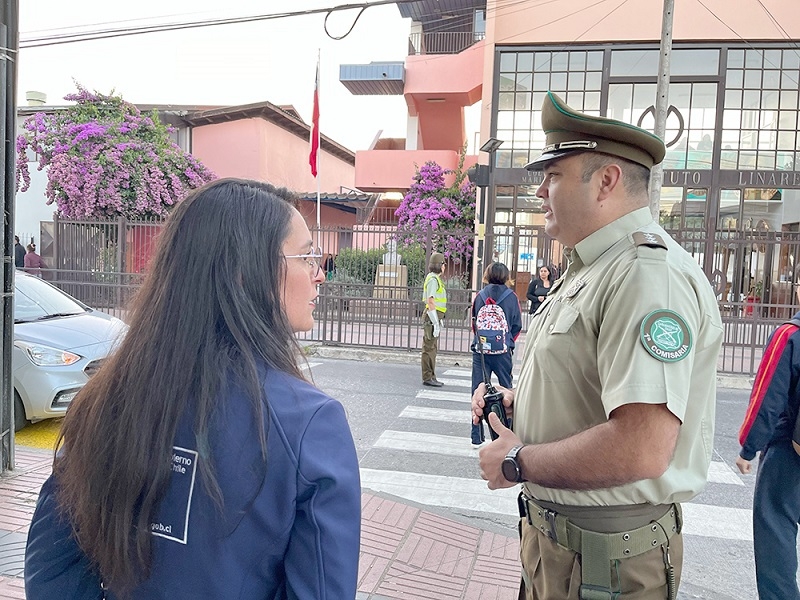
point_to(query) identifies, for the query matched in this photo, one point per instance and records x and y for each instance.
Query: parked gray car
(59, 343)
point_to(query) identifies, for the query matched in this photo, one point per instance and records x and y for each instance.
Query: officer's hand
(745, 466)
(478, 403)
(436, 330)
(492, 455)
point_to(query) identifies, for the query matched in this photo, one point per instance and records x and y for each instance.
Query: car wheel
(19, 413)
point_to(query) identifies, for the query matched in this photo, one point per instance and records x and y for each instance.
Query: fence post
(428, 244)
(56, 242)
(120, 266)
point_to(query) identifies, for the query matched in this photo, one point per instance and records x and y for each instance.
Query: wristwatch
(511, 468)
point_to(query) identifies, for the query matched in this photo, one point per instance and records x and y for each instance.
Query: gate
(362, 303)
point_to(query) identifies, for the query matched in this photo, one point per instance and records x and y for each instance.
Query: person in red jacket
(767, 428)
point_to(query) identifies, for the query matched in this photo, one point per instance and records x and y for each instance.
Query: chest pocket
(554, 348)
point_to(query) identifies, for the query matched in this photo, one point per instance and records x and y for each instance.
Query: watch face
(510, 470)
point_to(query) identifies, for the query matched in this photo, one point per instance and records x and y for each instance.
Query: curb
(445, 359)
(735, 382)
(732, 382)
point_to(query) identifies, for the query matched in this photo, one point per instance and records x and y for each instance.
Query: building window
(524, 78)
(759, 120)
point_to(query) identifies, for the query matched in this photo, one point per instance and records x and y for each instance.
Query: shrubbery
(105, 158)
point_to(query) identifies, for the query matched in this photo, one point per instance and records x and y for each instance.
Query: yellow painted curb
(39, 435)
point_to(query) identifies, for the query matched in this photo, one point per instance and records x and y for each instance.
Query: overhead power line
(69, 38)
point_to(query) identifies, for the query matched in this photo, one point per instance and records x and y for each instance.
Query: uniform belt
(623, 544)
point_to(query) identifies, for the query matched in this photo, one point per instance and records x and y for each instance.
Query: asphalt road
(387, 416)
(413, 442)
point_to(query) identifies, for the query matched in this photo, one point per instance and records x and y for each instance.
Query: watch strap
(512, 458)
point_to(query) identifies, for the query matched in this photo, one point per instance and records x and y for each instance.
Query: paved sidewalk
(406, 552)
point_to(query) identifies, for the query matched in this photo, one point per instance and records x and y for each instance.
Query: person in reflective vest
(435, 297)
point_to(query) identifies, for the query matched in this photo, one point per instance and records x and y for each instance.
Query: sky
(222, 65)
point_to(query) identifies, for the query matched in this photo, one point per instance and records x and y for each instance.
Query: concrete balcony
(374, 79)
(442, 42)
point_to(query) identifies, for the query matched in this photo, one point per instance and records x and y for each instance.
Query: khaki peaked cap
(568, 131)
(436, 260)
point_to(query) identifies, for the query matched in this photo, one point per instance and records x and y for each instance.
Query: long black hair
(210, 305)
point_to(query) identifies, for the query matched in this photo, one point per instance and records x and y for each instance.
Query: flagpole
(319, 224)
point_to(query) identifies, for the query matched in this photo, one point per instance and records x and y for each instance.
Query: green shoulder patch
(666, 336)
(643, 238)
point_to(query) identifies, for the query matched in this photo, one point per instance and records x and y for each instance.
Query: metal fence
(367, 302)
(107, 246)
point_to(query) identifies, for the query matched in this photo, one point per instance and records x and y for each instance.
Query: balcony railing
(442, 42)
(380, 215)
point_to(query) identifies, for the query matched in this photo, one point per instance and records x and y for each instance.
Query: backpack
(491, 326)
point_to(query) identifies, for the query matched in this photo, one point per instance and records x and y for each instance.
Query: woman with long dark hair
(199, 462)
(538, 288)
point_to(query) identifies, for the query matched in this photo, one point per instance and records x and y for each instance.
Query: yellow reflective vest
(440, 297)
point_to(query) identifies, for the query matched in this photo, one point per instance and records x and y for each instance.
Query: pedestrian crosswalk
(449, 410)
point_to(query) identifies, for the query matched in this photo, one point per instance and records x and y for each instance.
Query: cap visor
(538, 164)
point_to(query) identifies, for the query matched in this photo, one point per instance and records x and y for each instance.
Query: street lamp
(489, 197)
(491, 146)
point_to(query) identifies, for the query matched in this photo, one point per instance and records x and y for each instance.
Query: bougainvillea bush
(443, 214)
(107, 159)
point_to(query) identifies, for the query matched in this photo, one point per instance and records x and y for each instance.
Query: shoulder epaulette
(653, 240)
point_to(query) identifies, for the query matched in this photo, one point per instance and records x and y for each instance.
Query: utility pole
(9, 52)
(662, 101)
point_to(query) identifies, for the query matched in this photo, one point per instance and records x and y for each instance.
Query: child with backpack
(496, 323)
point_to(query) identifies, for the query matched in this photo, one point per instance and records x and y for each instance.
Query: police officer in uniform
(434, 296)
(614, 412)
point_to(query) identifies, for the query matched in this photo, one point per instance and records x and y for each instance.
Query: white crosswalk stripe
(412, 441)
(435, 414)
(717, 521)
(448, 396)
(720, 472)
(305, 366)
(433, 490)
(464, 383)
(458, 373)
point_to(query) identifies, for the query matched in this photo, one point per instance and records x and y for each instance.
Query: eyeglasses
(313, 259)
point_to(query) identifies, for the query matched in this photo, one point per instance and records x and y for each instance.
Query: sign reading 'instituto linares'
(679, 178)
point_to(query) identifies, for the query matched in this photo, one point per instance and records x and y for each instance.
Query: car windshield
(35, 300)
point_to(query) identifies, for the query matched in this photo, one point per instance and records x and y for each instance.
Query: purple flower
(105, 158)
(433, 211)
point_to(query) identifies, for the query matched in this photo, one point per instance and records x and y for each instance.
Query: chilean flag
(314, 140)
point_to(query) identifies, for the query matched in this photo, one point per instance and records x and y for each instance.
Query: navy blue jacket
(510, 306)
(775, 398)
(289, 529)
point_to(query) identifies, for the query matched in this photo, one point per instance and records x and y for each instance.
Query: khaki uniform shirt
(629, 321)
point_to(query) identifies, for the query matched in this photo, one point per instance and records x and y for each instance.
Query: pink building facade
(270, 143)
(732, 171)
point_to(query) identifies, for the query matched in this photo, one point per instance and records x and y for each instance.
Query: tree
(106, 159)
(446, 214)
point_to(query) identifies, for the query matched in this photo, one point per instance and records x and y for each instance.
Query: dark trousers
(776, 512)
(430, 346)
(499, 364)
